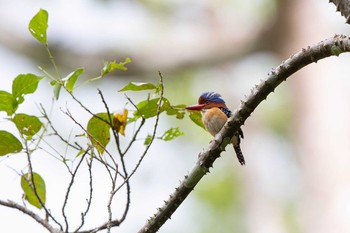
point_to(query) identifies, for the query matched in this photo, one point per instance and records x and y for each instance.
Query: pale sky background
(283, 188)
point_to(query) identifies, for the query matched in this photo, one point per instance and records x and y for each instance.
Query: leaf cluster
(103, 128)
(27, 125)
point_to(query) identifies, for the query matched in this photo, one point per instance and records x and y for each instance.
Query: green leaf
(99, 131)
(28, 188)
(147, 108)
(148, 140)
(171, 134)
(27, 125)
(159, 88)
(72, 78)
(24, 84)
(180, 113)
(80, 153)
(177, 110)
(110, 66)
(8, 103)
(9, 143)
(38, 26)
(138, 87)
(196, 117)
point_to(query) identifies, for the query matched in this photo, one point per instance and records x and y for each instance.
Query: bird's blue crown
(212, 97)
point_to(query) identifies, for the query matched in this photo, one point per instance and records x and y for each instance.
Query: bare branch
(109, 205)
(107, 165)
(113, 191)
(116, 222)
(31, 182)
(104, 226)
(330, 47)
(143, 120)
(45, 115)
(76, 122)
(115, 134)
(43, 222)
(152, 136)
(86, 109)
(83, 215)
(69, 188)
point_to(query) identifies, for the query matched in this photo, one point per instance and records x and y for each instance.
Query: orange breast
(213, 119)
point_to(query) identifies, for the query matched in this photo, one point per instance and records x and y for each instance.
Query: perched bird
(214, 116)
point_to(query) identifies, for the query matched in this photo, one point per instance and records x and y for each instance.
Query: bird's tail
(239, 154)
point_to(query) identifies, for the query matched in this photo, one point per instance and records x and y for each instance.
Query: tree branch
(330, 47)
(43, 222)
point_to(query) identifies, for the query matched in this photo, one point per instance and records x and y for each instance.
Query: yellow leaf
(119, 122)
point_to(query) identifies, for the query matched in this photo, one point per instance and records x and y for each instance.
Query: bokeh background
(297, 143)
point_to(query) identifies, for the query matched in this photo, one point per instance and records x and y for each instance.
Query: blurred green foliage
(222, 201)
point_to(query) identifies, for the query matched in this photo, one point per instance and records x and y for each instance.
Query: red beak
(197, 107)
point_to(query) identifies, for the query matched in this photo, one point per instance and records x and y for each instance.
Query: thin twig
(152, 136)
(73, 175)
(111, 125)
(147, 147)
(31, 182)
(113, 223)
(43, 111)
(108, 165)
(87, 132)
(60, 158)
(41, 137)
(143, 120)
(86, 109)
(106, 151)
(83, 215)
(126, 181)
(109, 205)
(117, 222)
(115, 134)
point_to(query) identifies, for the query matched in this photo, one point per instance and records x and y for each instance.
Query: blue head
(210, 97)
(208, 100)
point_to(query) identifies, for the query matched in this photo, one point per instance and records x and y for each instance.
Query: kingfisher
(214, 116)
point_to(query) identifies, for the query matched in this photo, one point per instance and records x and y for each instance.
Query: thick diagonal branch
(330, 47)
